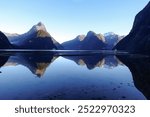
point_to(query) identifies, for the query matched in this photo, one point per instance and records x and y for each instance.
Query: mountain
(111, 40)
(138, 40)
(4, 42)
(36, 38)
(93, 41)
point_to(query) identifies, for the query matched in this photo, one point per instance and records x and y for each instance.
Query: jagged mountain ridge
(38, 38)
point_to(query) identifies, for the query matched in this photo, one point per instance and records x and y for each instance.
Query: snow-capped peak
(109, 33)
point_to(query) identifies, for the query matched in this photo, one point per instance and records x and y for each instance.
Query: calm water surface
(97, 76)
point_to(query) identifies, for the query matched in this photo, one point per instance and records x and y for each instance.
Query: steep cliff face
(138, 40)
(4, 43)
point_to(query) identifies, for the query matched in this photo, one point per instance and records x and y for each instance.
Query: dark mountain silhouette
(139, 67)
(4, 42)
(138, 40)
(93, 41)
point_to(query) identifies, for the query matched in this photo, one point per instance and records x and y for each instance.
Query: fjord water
(86, 76)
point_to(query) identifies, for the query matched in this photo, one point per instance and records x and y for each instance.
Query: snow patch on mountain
(108, 34)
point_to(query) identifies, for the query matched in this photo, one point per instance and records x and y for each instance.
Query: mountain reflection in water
(98, 76)
(35, 62)
(140, 69)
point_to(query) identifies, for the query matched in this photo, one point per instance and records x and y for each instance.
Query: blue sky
(65, 19)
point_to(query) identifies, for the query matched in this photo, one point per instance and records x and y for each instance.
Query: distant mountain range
(93, 41)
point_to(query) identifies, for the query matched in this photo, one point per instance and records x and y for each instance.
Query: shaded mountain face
(138, 40)
(4, 42)
(93, 41)
(140, 70)
(36, 38)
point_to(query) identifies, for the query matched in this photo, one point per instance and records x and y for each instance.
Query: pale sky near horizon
(65, 19)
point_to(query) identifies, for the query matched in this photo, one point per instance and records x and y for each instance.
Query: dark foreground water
(47, 75)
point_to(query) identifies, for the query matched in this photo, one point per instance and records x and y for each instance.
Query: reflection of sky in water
(64, 79)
